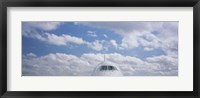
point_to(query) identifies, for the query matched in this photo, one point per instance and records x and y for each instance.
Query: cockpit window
(111, 68)
(103, 68)
(107, 67)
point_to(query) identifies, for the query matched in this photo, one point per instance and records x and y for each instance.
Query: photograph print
(100, 48)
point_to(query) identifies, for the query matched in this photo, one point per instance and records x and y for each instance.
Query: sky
(138, 48)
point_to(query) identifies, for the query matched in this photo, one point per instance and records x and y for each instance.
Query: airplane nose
(107, 70)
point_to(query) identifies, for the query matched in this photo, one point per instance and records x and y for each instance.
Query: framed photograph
(99, 48)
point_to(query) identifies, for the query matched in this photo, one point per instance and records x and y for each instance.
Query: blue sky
(150, 46)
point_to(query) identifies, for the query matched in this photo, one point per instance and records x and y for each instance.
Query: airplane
(106, 69)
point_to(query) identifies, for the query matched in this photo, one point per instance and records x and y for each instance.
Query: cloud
(46, 26)
(162, 59)
(135, 34)
(114, 43)
(129, 42)
(128, 30)
(60, 64)
(164, 64)
(30, 30)
(150, 35)
(105, 35)
(96, 45)
(91, 33)
(31, 55)
(54, 65)
(102, 45)
(53, 39)
(64, 39)
(148, 49)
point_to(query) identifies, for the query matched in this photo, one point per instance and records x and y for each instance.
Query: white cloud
(65, 39)
(129, 42)
(46, 26)
(102, 45)
(114, 43)
(55, 64)
(31, 55)
(165, 60)
(128, 30)
(73, 39)
(136, 34)
(105, 35)
(148, 49)
(70, 65)
(30, 31)
(55, 39)
(133, 34)
(91, 33)
(96, 45)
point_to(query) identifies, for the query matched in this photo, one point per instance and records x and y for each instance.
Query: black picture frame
(99, 3)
